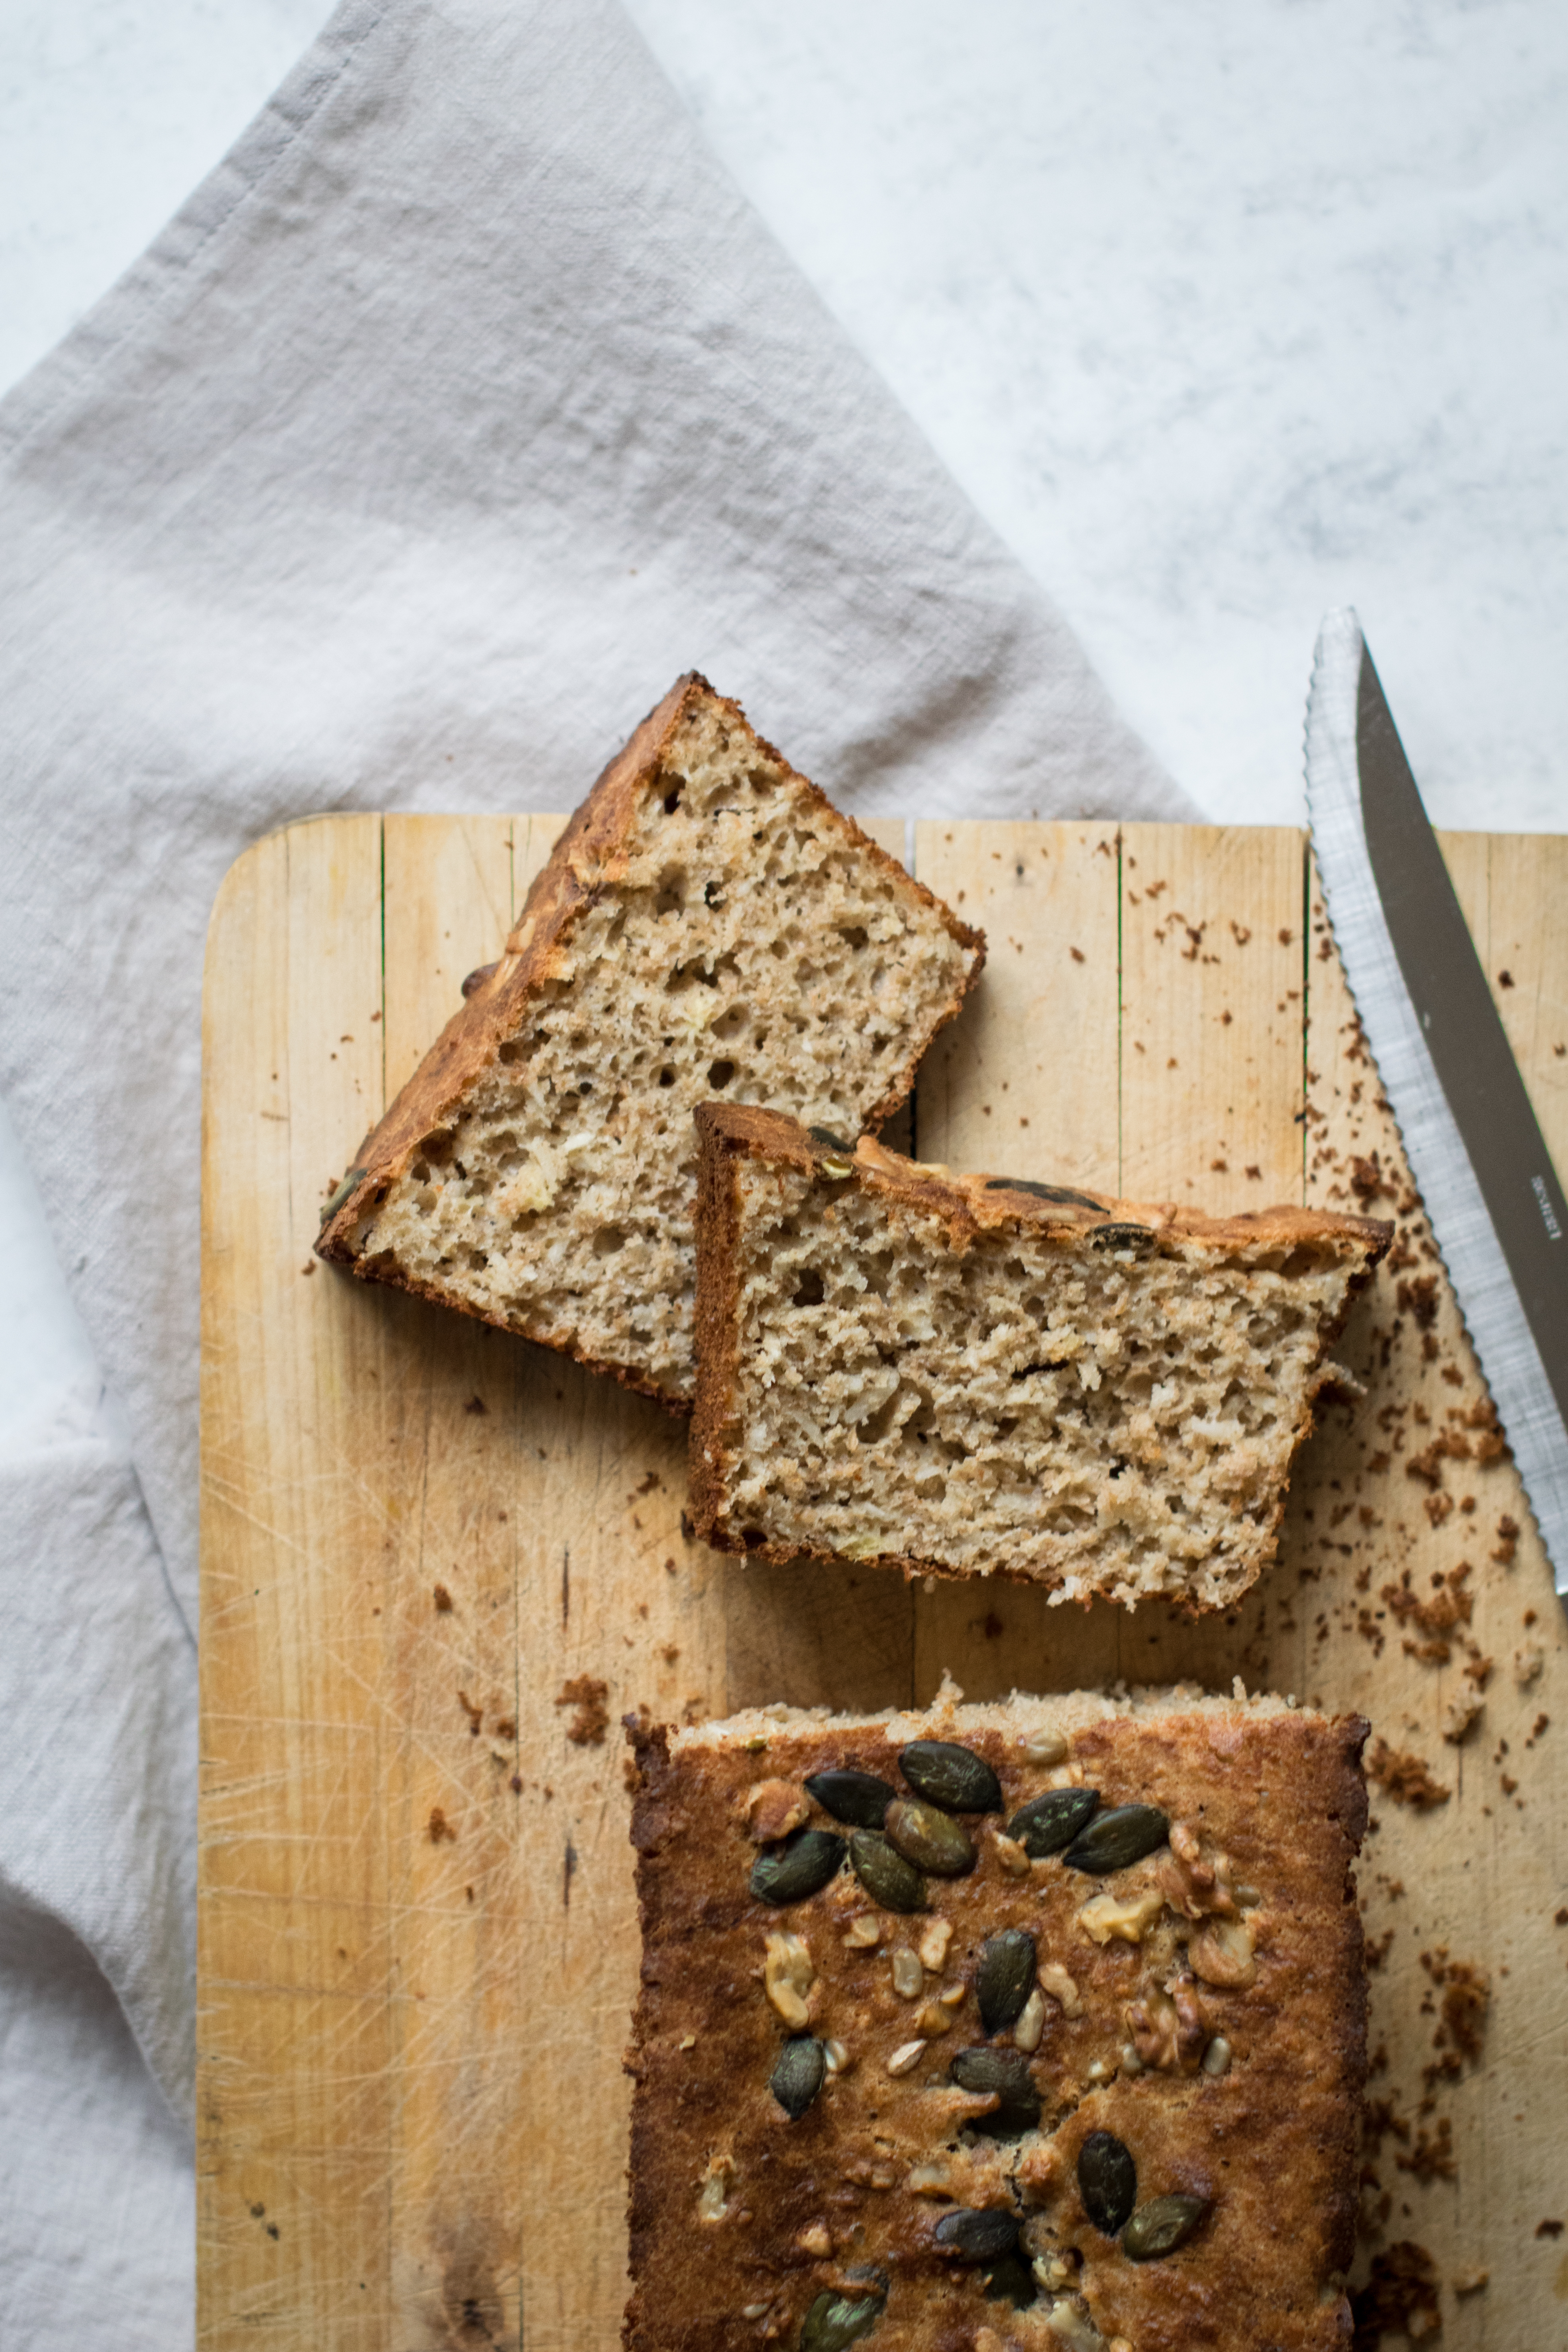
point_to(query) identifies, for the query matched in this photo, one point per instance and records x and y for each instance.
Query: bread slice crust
(955, 1212)
(588, 862)
(742, 2217)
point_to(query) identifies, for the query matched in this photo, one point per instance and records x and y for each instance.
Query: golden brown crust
(590, 855)
(731, 1133)
(1273, 2143)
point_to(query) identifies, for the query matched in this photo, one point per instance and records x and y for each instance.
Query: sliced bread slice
(969, 1375)
(709, 924)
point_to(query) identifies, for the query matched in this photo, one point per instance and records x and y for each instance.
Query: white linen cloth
(460, 409)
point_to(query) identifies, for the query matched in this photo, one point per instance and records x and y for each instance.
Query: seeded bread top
(986, 2101)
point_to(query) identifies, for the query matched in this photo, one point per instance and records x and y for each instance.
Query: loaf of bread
(971, 1375)
(709, 925)
(998, 2028)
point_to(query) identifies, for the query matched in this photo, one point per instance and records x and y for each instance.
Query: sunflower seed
(836, 2321)
(884, 1874)
(340, 1193)
(976, 2236)
(932, 1841)
(1116, 1839)
(981, 2071)
(1160, 2226)
(859, 1798)
(952, 1777)
(1107, 2181)
(801, 1866)
(1048, 1822)
(1138, 1238)
(798, 2077)
(1006, 1977)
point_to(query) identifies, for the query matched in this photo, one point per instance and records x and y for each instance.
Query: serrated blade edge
(1461, 1223)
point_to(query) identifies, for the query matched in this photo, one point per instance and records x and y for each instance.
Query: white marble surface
(1222, 314)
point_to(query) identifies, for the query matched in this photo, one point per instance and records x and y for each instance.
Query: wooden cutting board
(439, 1564)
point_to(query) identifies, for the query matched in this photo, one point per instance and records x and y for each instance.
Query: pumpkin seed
(836, 2321)
(340, 1193)
(1137, 1238)
(1006, 1977)
(850, 1796)
(952, 1777)
(834, 1142)
(801, 1866)
(799, 2074)
(1160, 2227)
(977, 2235)
(981, 2071)
(1116, 1839)
(1058, 1193)
(1012, 2281)
(930, 1840)
(884, 1874)
(1048, 1822)
(1107, 2181)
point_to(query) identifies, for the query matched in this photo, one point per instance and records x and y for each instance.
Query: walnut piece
(1221, 1953)
(1129, 1917)
(789, 1975)
(1197, 1888)
(773, 1808)
(1169, 2027)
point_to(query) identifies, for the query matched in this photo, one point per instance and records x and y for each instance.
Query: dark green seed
(1161, 2226)
(799, 2075)
(981, 2071)
(340, 1193)
(1123, 1237)
(1107, 2181)
(1058, 1193)
(1116, 1839)
(1048, 1822)
(977, 2236)
(952, 1777)
(1006, 1977)
(801, 1866)
(857, 1797)
(932, 1841)
(836, 2321)
(825, 1135)
(1012, 2281)
(884, 1874)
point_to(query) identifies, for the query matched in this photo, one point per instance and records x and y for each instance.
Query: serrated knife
(1486, 1179)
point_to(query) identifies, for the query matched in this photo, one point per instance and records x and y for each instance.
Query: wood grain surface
(438, 1565)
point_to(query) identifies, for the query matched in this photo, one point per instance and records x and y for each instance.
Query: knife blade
(1491, 1194)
